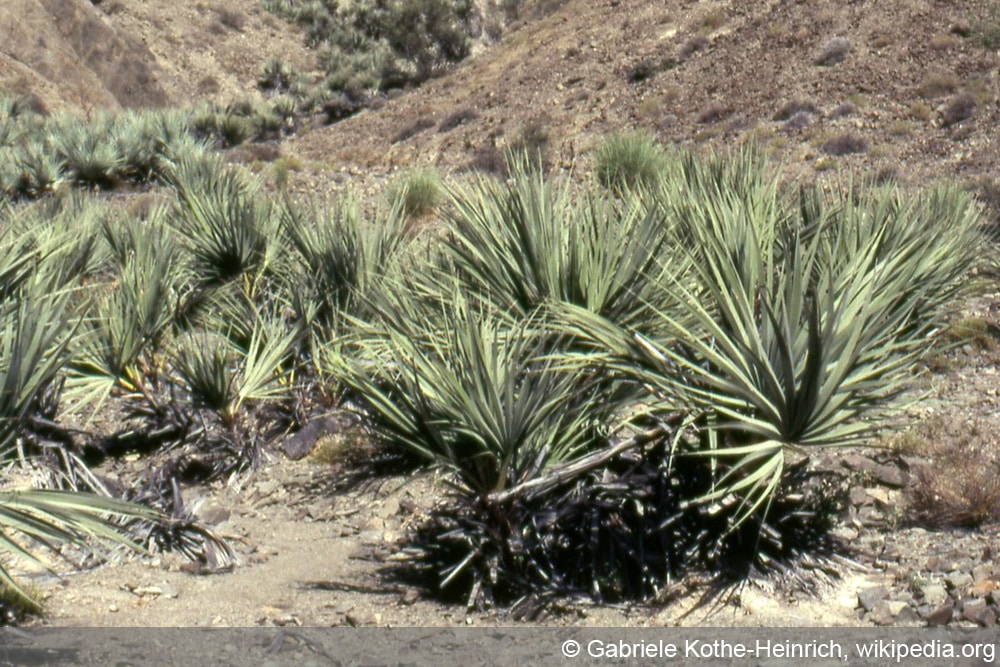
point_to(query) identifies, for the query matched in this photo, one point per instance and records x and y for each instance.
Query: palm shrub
(527, 243)
(223, 224)
(141, 138)
(342, 261)
(88, 149)
(467, 388)
(34, 344)
(233, 380)
(799, 322)
(132, 315)
(40, 170)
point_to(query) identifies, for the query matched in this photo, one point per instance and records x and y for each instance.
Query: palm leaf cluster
(700, 332)
(622, 382)
(40, 153)
(200, 324)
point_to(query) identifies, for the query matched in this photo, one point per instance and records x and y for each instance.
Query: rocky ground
(319, 539)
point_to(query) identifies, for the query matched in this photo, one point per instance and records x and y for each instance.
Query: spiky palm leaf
(46, 518)
(796, 324)
(344, 258)
(524, 244)
(468, 389)
(34, 338)
(224, 226)
(132, 316)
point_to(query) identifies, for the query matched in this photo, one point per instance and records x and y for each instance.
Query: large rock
(870, 597)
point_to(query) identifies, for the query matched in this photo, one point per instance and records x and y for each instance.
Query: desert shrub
(457, 118)
(986, 32)
(956, 485)
(693, 46)
(794, 107)
(714, 113)
(961, 108)
(798, 121)
(425, 34)
(419, 192)
(843, 111)
(834, 52)
(376, 45)
(846, 143)
(230, 18)
(413, 129)
(647, 68)
(470, 389)
(937, 85)
(628, 161)
(532, 143)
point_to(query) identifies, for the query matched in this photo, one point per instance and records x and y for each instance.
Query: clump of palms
(798, 320)
(530, 242)
(468, 388)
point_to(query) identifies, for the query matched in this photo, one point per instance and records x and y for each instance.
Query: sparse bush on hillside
(629, 161)
(276, 76)
(419, 192)
(457, 118)
(937, 85)
(962, 107)
(693, 46)
(846, 143)
(834, 51)
(986, 32)
(789, 109)
(647, 68)
(412, 129)
(230, 18)
(371, 46)
(532, 143)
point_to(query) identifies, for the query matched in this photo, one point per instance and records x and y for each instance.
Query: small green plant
(628, 161)
(420, 192)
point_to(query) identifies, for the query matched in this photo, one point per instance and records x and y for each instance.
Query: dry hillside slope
(133, 53)
(878, 85)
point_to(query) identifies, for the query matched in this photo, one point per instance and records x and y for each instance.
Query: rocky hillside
(133, 53)
(907, 89)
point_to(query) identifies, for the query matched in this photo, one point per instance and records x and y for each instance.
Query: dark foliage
(623, 532)
(459, 117)
(845, 144)
(962, 107)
